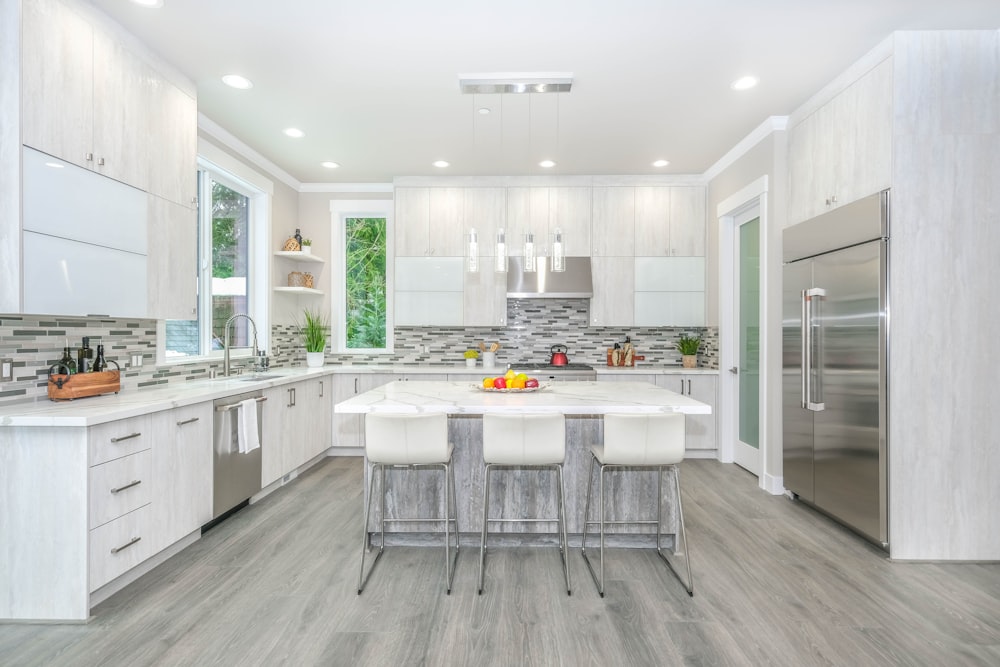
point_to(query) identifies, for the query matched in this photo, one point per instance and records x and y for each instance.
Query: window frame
(215, 164)
(340, 209)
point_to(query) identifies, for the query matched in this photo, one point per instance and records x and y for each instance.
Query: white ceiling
(374, 83)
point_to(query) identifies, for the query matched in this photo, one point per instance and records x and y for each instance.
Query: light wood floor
(775, 584)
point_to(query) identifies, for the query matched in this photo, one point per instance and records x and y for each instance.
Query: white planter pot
(314, 359)
(471, 363)
(307, 249)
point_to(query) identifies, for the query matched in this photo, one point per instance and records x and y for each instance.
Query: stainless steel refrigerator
(835, 354)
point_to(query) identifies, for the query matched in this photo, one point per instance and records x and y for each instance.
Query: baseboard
(701, 453)
(773, 484)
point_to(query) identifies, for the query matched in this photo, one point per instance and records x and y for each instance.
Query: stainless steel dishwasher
(236, 475)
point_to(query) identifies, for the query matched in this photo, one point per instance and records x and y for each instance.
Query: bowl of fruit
(511, 381)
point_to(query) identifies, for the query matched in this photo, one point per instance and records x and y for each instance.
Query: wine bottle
(298, 238)
(83, 356)
(100, 363)
(67, 361)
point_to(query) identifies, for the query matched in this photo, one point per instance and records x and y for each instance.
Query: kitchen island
(583, 404)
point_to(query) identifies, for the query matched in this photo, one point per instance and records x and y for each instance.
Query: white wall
(10, 156)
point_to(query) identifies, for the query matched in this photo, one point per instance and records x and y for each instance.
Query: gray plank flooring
(775, 584)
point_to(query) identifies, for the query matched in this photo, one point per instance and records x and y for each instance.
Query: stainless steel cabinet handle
(126, 437)
(355, 385)
(100, 162)
(126, 545)
(135, 482)
(689, 387)
(89, 157)
(321, 389)
(188, 421)
(682, 386)
(230, 406)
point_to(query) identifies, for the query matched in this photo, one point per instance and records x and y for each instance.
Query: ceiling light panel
(295, 133)
(744, 83)
(515, 82)
(237, 81)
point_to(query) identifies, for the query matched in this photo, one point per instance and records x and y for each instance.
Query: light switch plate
(6, 370)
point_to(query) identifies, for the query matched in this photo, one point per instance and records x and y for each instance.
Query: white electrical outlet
(6, 370)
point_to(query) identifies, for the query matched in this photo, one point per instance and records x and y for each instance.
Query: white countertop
(582, 398)
(131, 402)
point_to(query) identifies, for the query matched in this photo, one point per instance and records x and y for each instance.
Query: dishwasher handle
(230, 406)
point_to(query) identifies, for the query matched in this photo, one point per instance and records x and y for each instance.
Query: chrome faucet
(225, 340)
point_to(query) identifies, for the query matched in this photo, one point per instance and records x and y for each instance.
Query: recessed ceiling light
(295, 133)
(661, 163)
(330, 165)
(237, 81)
(441, 164)
(484, 110)
(54, 165)
(548, 164)
(152, 4)
(744, 83)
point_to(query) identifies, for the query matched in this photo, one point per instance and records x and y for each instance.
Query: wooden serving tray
(80, 385)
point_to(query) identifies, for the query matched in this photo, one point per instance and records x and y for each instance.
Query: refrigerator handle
(811, 298)
(805, 365)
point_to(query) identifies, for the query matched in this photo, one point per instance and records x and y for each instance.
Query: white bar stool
(532, 441)
(412, 442)
(638, 441)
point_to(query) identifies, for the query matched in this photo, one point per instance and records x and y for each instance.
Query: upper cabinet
(614, 222)
(670, 221)
(843, 150)
(430, 222)
(540, 211)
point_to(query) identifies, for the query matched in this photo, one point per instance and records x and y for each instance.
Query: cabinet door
(274, 434)
(614, 286)
(868, 166)
(447, 230)
(172, 262)
(486, 212)
(527, 212)
(312, 409)
(350, 428)
(614, 222)
(485, 298)
(652, 220)
(173, 142)
(57, 65)
(121, 136)
(803, 191)
(571, 210)
(182, 472)
(411, 222)
(700, 430)
(687, 221)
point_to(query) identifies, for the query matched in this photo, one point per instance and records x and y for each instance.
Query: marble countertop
(587, 398)
(130, 403)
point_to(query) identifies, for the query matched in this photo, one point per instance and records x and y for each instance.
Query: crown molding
(219, 133)
(761, 132)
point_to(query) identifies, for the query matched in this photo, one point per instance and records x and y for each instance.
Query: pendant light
(500, 253)
(529, 252)
(472, 259)
(558, 251)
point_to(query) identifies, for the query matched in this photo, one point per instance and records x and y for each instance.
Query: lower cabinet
(297, 426)
(349, 430)
(701, 429)
(182, 472)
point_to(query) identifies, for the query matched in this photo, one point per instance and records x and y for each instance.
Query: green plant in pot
(313, 332)
(470, 357)
(688, 347)
(307, 245)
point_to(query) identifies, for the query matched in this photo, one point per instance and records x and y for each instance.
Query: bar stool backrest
(406, 438)
(524, 438)
(637, 439)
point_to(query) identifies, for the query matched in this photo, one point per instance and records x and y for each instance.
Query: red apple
(500, 383)
(530, 383)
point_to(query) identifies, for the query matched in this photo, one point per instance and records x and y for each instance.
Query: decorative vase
(689, 360)
(307, 249)
(314, 359)
(471, 363)
(489, 359)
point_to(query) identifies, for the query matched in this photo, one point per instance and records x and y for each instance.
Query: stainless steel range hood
(573, 283)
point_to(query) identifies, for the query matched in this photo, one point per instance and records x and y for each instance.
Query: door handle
(734, 370)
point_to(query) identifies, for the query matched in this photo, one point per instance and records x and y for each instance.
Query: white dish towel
(246, 427)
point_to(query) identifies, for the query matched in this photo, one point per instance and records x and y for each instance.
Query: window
(363, 302)
(232, 221)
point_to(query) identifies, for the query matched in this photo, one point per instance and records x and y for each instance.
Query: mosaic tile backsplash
(533, 326)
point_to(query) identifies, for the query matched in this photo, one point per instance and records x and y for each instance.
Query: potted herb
(688, 347)
(307, 246)
(470, 358)
(313, 334)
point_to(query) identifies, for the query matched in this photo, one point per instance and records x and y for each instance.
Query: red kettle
(559, 357)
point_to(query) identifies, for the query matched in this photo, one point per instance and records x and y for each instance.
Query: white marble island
(583, 403)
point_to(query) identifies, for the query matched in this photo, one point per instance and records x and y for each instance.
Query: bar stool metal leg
(681, 536)
(450, 507)
(587, 521)
(365, 538)
(564, 548)
(486, 515)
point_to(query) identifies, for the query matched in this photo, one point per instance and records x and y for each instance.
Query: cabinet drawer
(120, 545)
(120, 486)
(119, 438)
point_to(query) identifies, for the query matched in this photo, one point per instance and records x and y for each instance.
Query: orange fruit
(487, 383)
(517, 383)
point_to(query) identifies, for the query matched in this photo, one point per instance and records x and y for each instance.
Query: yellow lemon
(488, 383)
(510, 374)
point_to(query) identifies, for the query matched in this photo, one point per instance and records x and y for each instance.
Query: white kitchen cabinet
(296, 426)
(670, 221)
(274, 433)
(669, 291)
(430, 222)
(485, 298)
(700, 430)
(542, 210)
(571, 210)
(527, 212)
(172, 269)
(172, 137)
(181, 472)
(614, 287)
(429, 291)
(349, 429)
(842, 151)
(613, 222)
(485, 211)
(84, 95)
